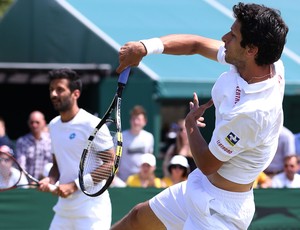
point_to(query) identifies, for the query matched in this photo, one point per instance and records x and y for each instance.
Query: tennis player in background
(249, 116)
(69, 133)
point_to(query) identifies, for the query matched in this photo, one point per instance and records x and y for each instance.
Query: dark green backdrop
(28, 209)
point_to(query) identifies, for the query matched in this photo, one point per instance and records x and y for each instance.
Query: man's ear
(76, 93)
(252, 50)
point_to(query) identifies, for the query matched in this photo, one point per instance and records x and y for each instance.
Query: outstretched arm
(132, 53)
(188, 44)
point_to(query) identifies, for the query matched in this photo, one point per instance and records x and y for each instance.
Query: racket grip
(124, 75)
(52, 187)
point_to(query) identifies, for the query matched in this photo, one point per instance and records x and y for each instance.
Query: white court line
(215, 4)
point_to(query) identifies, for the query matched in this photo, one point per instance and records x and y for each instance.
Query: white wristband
(153, 45)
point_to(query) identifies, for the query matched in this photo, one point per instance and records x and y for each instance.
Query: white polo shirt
(68, 141)
(248, 122)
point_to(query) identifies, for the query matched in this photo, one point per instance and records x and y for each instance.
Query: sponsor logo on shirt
(223, 147)
(279, 79)
(72, 136)
(232, 139)
(237, 97)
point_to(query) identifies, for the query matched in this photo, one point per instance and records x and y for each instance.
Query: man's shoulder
(54, 120)
(279, 176)
(146, 133)
(286, 132)
(87, 116)
(297, 176)
(24, 137)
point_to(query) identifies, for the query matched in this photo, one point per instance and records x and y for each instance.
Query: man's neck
(69, 115)
(256, 74)
(134, 132)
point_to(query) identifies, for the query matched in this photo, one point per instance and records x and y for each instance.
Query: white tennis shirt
(68, 140)
(248, 122)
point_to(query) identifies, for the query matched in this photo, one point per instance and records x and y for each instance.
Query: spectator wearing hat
(178, 171)
(146, 176)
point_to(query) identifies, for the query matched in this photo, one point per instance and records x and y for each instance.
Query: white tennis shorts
(197, 204)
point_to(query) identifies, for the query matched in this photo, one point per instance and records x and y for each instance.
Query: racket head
(10, 172)
(98, 163)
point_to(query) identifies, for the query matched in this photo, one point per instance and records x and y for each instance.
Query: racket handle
(52, 187)
(124, 75)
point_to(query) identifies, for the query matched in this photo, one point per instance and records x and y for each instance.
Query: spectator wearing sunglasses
(178, 171)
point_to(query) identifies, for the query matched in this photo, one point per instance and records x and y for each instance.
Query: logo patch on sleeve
(232, 139)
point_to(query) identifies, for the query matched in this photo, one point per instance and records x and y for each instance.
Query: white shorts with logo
(197, 204)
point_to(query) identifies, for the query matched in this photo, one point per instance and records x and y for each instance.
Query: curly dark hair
(264, 28)
(65, 73)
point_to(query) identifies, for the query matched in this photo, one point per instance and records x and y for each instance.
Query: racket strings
(99, 163)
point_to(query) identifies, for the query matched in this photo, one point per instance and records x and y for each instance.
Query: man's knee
(136, 215)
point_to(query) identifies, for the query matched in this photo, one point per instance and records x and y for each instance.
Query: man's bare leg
(140, 217)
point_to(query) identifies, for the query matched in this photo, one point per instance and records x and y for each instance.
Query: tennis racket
(13, 176)
(99, 162)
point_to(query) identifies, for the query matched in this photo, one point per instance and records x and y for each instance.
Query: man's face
(61, 96)
(291, 167)
(137, 122)
(147, 170)
(234, 53)
(36, 123)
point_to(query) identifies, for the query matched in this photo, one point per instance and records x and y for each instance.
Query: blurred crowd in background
(140, 166)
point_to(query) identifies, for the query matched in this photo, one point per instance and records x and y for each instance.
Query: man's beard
(62, 107)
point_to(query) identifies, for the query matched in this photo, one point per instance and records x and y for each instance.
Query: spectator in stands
(286, 147)
(136, 142)
(297, 143)
(298, 158)
(9, 176)
(290, 177)
(178, 171)
(146, 176)
(33, 150)
(262, 181)
(180, 147)
(168, 138)
(4, 138)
